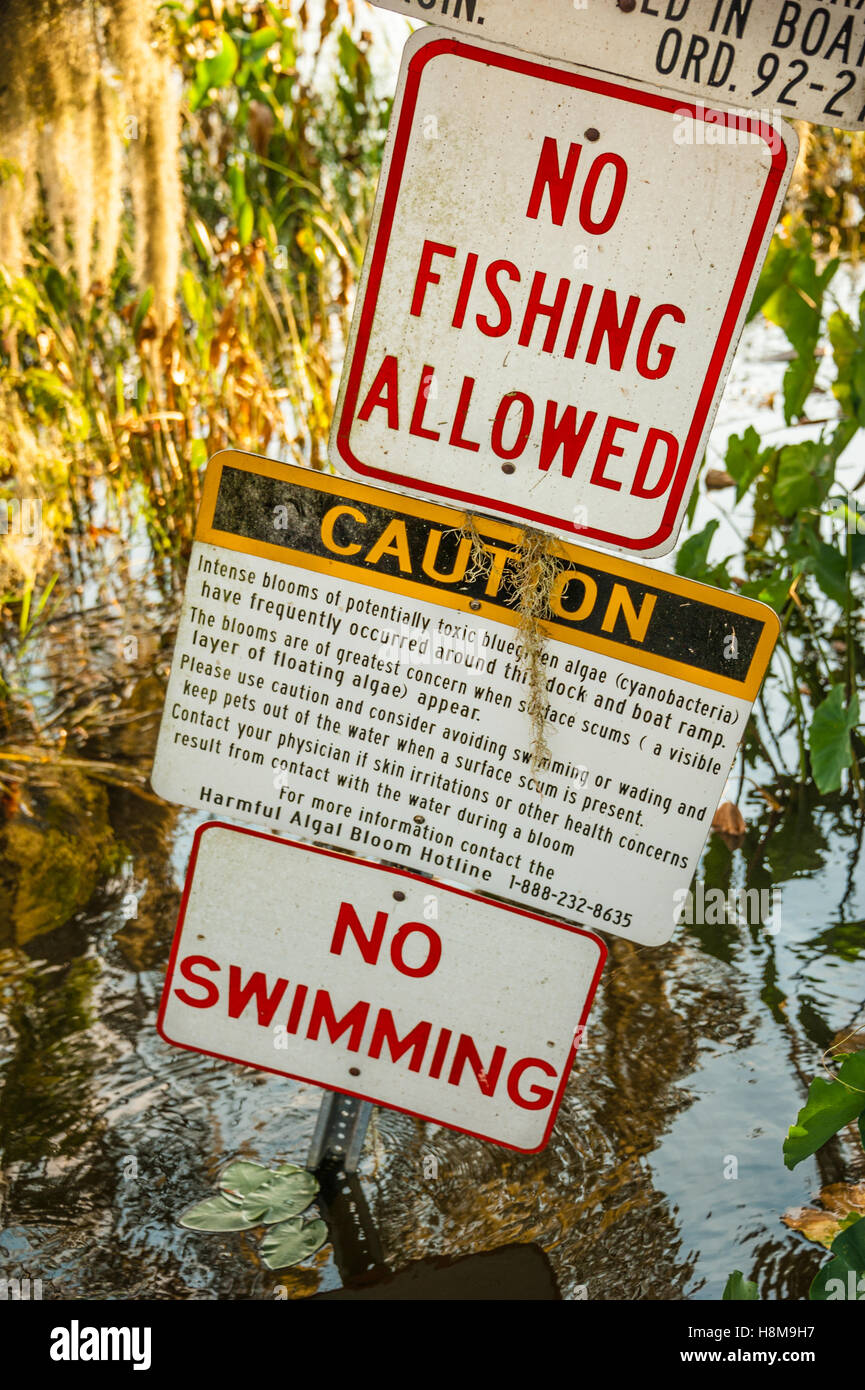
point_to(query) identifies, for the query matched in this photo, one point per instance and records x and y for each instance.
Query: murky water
(664, 1172)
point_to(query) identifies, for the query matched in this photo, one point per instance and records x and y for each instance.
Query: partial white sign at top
(798, 58)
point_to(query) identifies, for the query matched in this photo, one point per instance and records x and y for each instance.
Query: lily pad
(242, 1176)
(292, 1241)
(739, 1289)
(280, 1195)
(222, 1213)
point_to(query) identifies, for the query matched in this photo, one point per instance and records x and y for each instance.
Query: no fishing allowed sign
(379, 984)
(559, 268)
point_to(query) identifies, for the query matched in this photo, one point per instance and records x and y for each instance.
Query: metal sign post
(339, 1131)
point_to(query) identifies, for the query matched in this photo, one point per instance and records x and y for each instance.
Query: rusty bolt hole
(399, 896)
(592, 133)
(508, 468)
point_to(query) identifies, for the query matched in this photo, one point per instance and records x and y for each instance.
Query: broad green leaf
(222, 1213)
(292, 1241)
(776, 593)
(796, 485)
(739, 1289)
(844, 1277)
(223, 65)
(848, 349)
(775, 268)
(745, 460)
(282, 1194)
(829, 738)
(261, 39)
(692, 559)
(829, 565)
(796, 304)
(241, 1176)
(215, 71)
(798, 384)
(830, 1106)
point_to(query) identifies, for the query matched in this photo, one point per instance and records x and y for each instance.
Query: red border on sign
(415, 68)
(399, 873)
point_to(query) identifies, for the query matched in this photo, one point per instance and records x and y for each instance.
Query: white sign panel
(345, 673)
(558, 271)
(378, 984)
(800, 57)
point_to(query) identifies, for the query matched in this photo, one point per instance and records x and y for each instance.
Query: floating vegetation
(251, 1195)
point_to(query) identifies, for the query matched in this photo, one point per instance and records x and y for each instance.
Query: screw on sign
(307, 963)
(553, 291)
(803, 58)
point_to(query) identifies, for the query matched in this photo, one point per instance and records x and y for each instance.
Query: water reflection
(664, 1171)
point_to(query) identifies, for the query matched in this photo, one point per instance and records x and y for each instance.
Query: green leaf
(829, 565)
(692, 556)
(797, 485)
(775, 268)
(222, 1213)
(197, 460)
(775, 592)
(796, 305)
(692, 559)
(284, 1193)
(830, 1106)
(261, 39)
(141, 310)
(246, 223)
(829, 738)
(739, 1289)
(745, 460)
(241, 1176)
(292, 1241)
(193, 296)
(848, 349)
(798, 384)
(840, 1278)
(214, 72)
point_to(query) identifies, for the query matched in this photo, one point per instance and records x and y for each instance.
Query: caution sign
(801, 58)
(378, 984)
(349, 670)
(558, 271)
